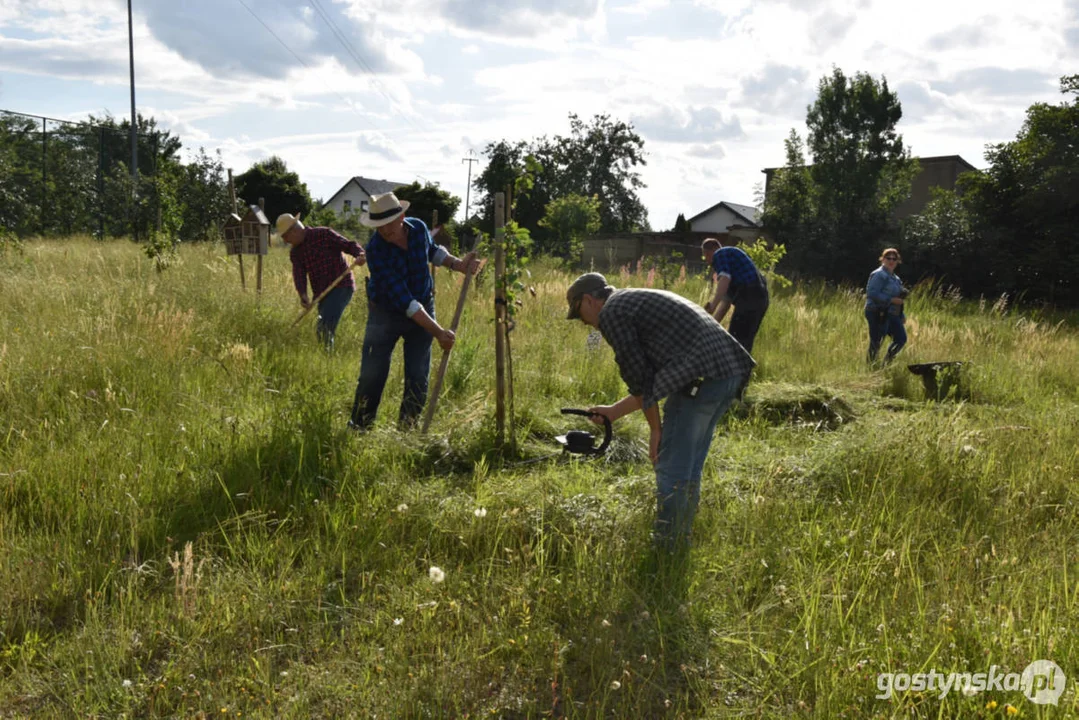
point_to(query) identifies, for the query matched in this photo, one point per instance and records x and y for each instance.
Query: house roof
(368, 185)
(746, 212)
(932, 160)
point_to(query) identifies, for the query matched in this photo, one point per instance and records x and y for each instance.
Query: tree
(940, 241)
(789, 210)
(114, 142)
(570, 219)
(427, 199)
(271, 179)
(835, 215)
(681, 224)
(1025, 206)
(597, 159)
(204, 197)
(600, 159)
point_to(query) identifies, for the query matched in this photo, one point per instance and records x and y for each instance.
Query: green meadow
(188, 529)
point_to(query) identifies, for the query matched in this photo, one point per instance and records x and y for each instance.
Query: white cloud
(377, 144)
(714, 100)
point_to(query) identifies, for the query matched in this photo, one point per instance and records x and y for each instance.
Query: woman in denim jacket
(884, 295)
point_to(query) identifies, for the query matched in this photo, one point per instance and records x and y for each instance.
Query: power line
(299, 59)
(351, 50)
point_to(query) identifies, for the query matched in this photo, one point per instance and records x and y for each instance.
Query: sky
(404, 90)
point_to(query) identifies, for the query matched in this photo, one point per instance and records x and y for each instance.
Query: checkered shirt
(735, 264)
(663, 342)
(319, 255)
(400, 279)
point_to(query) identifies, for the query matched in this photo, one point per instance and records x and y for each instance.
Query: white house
(356, 194)
(720, 217)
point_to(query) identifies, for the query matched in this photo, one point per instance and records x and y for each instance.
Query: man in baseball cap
(667, 348)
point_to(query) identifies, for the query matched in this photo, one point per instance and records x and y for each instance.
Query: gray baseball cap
(584, 285)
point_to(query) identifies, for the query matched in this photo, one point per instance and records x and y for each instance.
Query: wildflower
(284, 673)
(605, 623)
(436, 574)
(1011, 709)
(480, 512)
(398, 621)
(615, 685)
(402, 508)
(127, 683)
(991, 705)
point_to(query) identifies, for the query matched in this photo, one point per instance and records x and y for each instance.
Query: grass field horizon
(188, 528)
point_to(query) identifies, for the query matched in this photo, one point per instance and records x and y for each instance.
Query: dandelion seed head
(436, 574)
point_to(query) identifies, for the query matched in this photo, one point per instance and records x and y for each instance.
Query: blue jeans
(688, 426)
(881, 323)
(384, 329)
(330, 309)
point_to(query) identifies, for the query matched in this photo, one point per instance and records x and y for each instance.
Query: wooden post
(434, 280)
(236, 210)
(509, 384)
(446, 353)
(500, 317)
(258, 263)
(507, 324)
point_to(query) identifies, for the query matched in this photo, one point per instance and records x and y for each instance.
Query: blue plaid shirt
(662, 342)
(735, 264)
(400, 279)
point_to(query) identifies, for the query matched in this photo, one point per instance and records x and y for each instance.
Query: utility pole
(134, 122)
(468, 187)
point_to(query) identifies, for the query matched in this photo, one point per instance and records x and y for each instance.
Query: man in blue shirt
(740, 284)
(400, 301)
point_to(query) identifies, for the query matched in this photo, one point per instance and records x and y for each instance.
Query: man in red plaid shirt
(316, 252)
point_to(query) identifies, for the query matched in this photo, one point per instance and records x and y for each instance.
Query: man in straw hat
(400, 295)
(666, 347)
(316, 252)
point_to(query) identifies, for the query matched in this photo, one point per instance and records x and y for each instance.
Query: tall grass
(186, 526)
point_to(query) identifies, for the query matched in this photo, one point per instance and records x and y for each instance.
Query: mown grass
(140, 412)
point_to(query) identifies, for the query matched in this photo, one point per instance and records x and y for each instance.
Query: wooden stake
(236, 210)
(446, 353)
(258, 263)
(509, 384)
(434, 280)
(500, 317)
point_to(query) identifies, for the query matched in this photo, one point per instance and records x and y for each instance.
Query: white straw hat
(384, 209)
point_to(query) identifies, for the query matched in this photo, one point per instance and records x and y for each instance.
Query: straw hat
(384, 209)
(285, 221)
